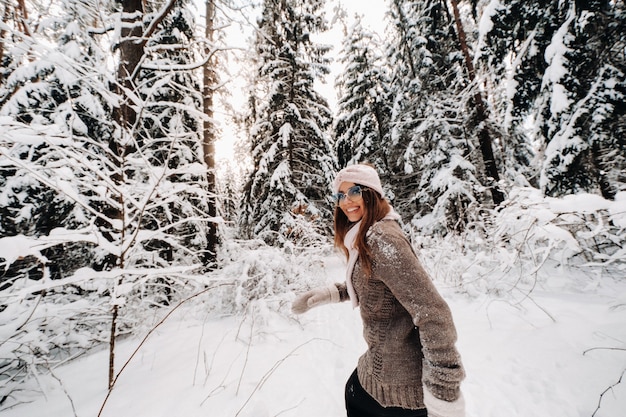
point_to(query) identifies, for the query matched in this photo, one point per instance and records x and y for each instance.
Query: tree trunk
(209, 136)
(484, 136)
(133, 39)
(115, 313)
(21, 24)
(5, 18)
(131, 51)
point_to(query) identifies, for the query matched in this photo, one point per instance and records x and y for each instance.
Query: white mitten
(315, 297)
(441, 408)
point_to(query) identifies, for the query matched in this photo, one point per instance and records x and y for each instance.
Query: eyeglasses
(353, 193)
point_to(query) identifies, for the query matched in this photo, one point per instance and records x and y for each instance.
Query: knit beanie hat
(360, 174)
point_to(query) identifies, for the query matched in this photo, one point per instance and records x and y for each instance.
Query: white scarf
(353, 254)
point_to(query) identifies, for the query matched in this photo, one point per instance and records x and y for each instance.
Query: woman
(411, 364)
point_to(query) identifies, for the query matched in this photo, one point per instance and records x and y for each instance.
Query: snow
(549, 353)
(552, 347)
(555, 56)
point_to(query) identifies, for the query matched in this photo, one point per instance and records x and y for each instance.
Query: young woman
(411, 367)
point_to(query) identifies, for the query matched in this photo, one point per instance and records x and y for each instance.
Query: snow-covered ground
(552, 354)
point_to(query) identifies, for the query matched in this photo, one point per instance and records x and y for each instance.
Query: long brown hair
(374, 209)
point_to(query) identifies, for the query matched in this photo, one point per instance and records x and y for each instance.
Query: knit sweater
(407, 325)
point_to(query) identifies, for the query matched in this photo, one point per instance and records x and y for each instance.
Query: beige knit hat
(359, 174)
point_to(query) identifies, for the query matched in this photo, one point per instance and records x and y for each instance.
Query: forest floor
(553, 353)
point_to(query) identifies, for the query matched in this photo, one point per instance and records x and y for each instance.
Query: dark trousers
(360, 404)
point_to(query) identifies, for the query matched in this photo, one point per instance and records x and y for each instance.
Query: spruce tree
(285, 198)
(585, 90)
(46, 94)
(433, 176)
(562, 76)
(510, 55)
(169, 138)
(361, 125)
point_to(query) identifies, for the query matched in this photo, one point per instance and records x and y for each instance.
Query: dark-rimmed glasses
(353, 193)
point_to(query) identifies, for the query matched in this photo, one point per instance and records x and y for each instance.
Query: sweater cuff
(343, 292)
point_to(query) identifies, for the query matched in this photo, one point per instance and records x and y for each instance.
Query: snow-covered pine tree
(361, 125)
(509, 56)
(169, 140)
(585, 90)
(42, 88)
(13, 33)
(161, 218)
(479, 123)
(285, 199)
(564, 78)
(429, 153)
(54, 112)
(99, 213)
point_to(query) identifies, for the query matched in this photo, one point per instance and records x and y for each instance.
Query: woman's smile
(352, 207)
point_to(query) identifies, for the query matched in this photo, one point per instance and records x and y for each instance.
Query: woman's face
(352, 205)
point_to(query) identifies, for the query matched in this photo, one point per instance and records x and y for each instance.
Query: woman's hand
(315, 297)
(441, 408)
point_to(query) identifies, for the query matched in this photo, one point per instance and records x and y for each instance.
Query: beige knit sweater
(408, 327)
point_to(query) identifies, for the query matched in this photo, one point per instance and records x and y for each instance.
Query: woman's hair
(375, 208)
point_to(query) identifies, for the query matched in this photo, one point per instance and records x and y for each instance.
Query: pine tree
(285, 197)
(110, 199)
(159, 213)
(586, 102)
(479, 120)
(510, 55)
(364, 106)
(48, 90)
(568, 76)
(170, 138)
(429, 153)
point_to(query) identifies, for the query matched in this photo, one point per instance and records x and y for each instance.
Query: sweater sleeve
(398, 267)
(343, 291)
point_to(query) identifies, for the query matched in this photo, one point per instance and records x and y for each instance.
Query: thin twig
(65, 391)
(610, 387)
(222, 384)
(604, 348)
(207, 371)
(290, 408)
(245, 361)
(195, 368)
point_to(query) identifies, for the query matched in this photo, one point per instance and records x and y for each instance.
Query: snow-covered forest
(143, 274)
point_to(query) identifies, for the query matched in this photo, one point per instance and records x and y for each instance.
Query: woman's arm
(396, 264)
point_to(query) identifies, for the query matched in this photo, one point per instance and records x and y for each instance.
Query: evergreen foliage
(586, 103)
(100, 214)
(362, 122)
(170, 137)
(104, 194)
(47, 93)
(285, 198)
(431, 151)
(568, 83)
